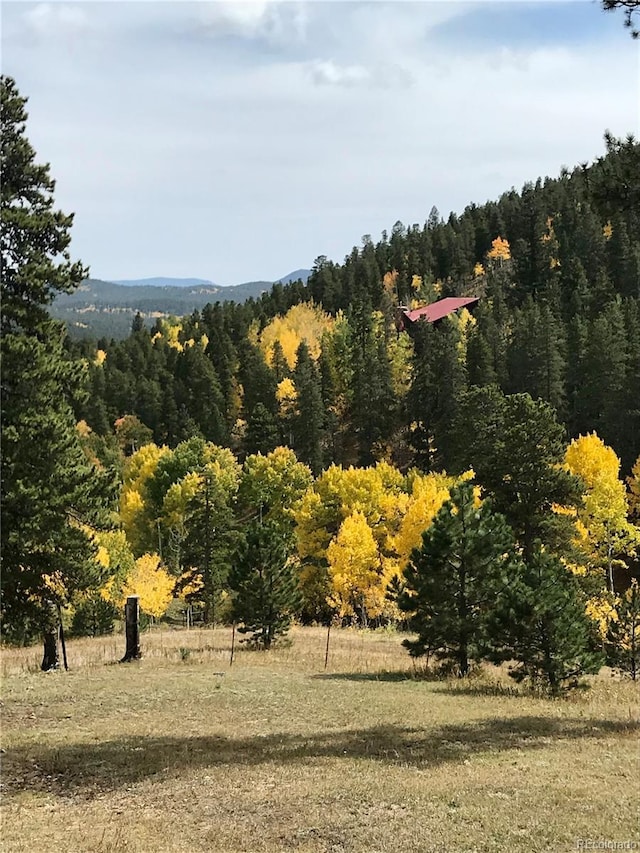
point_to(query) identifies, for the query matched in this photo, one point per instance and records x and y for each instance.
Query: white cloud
(181, 132)
(272, 20)
(330, 73)
(49, 20)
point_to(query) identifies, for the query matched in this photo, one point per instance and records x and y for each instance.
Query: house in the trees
(433, 313)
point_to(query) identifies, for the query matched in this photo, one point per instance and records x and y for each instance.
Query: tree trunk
(50, 637)
(132, 629)
(51, 658)
(463, 660)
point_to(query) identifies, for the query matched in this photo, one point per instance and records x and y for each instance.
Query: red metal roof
(437, 310)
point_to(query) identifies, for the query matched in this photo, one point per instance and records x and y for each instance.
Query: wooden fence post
(233, 643)
(132, 629)
(326, 651)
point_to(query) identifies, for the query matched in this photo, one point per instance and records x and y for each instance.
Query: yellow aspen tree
(355, 570)
(390, 283)
(175, 510)
(429, 493)
(465, 322)
(604, 513)
(272, 484)
(378, 493)
(287, 396)
(500, 250)
(303, 322)
(151, 583)
(139, 468)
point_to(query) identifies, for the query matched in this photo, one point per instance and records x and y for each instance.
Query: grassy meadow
(181, 752)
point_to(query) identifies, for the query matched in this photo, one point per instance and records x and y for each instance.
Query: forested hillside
(324, 454)
(557, 270)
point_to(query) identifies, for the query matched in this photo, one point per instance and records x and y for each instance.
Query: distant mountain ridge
(302, 274)
(106, 309)
(164, 281)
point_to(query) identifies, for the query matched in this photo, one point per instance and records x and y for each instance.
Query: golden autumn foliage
(151, 583)
(305, 321)
(428, 493)
(500, 250)
(465, 322)
(100, 358)
(396, 510)
(274, 482)
(377, 493)
(83, 429)
(390, 283)
(634, 490)
(355, 570)
(601, 610)
(598, 466)
(607, 231)
(286, 395)
(478, 270)
(140, 467)
(177, 498)
(604, 528)
(171, 334)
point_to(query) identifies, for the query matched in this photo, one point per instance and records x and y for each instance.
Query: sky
(237, 141)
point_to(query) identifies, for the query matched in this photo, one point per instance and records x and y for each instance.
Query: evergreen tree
(600, 400)
(480, 369)
(466, 563)
(257, 379)
(372, 397)
(211, 540)
(542, 625)
(50, 491)
(264, 583)
(439, 379)
(198, 391)
(516, 448)
(262, 431)
(308, 422)
(623, 638)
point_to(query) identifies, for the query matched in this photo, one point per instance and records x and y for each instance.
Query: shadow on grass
(442, 683)
(391, 675)
(87, 769)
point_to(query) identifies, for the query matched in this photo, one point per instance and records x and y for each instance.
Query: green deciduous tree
(270, 485)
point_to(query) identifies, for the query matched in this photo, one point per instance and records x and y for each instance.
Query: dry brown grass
(274, 754)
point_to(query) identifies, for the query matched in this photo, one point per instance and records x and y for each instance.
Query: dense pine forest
(556, 267)
(311, 455)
